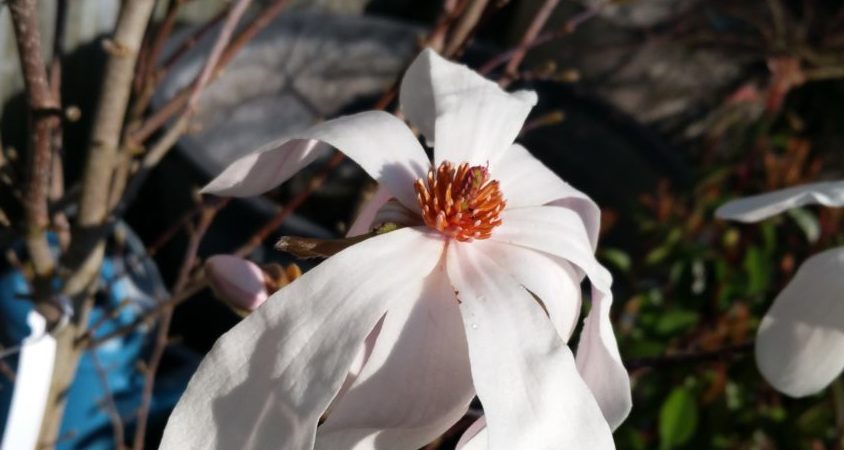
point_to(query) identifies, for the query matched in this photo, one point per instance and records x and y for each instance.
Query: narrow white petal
(759, 207)
(551, 279)
(524, 374)
(469, 118)
(32, 384)
(363, 222)
(526, 182)
(475, 437)
(267, 381)
(416, 381)
(561, 232)
(379, 142)
(800, 343)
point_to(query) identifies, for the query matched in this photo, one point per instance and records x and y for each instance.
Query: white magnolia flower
(800, 343)
(395, 335)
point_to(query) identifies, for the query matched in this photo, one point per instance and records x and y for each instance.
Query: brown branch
(570, 26)
(178, 101)
(61, 225)
(108, 121)
(205, 219)
(532, 31)
(42, 117)
(271, 225)
(197, 284)
(88, 244)
(690, 357)
(109, 405)
(466, 25)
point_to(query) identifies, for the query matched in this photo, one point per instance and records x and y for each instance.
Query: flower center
(462, 202)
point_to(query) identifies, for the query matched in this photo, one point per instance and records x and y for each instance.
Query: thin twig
(109, 404)
(61, 225)
(42, 116)
(465, 26)
(178, 101)
(568, 27)
(532, 31)
(690, 357)
(205, 219)
(232, 19)
(279, 217)
(197, 284)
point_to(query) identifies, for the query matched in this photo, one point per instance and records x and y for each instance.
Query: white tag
(32, 384)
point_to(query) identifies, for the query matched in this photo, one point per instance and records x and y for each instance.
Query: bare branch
(108, 121)
(42, 114)
(690, 357)
(161, 338)
(539, 20)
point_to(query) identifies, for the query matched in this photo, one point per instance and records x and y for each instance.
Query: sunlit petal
(525, 181)
(469, 118)
(416, 381)
(762, 206)
(525, 375)
(560, 232)
(267, 381)
(379, 142)
(551, 279)
(800, 343)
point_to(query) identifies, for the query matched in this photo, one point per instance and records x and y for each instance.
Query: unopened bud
(236, 281)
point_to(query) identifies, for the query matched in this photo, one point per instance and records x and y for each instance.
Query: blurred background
(661, 110)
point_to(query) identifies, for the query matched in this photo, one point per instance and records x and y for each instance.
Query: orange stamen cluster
(461, 202)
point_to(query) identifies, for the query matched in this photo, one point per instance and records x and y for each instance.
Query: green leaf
(678, 419)
(673, 321)
(618, 258)
(807, 222)
(758, 268)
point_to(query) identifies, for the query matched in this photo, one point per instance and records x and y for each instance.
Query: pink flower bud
(236, 281)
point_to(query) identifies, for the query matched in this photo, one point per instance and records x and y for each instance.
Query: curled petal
(552, 280)
(759, 207)
(379, 142)
(526, 182)
(415, 383)
(800, 342)
(467, 117)
(524, 374)
(236, 281)
(561, 232)
(267, 381)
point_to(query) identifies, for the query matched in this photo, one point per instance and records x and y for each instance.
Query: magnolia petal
(800, 342)
(469, 118)
(416, 382)
(236, 281)
(475, 437)
(363, 222)
(267, 381)
(379, 142)
(524, 374)
(551, 279)
(525, 182)
(599, 361)
(561, 232)
(759, 207)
